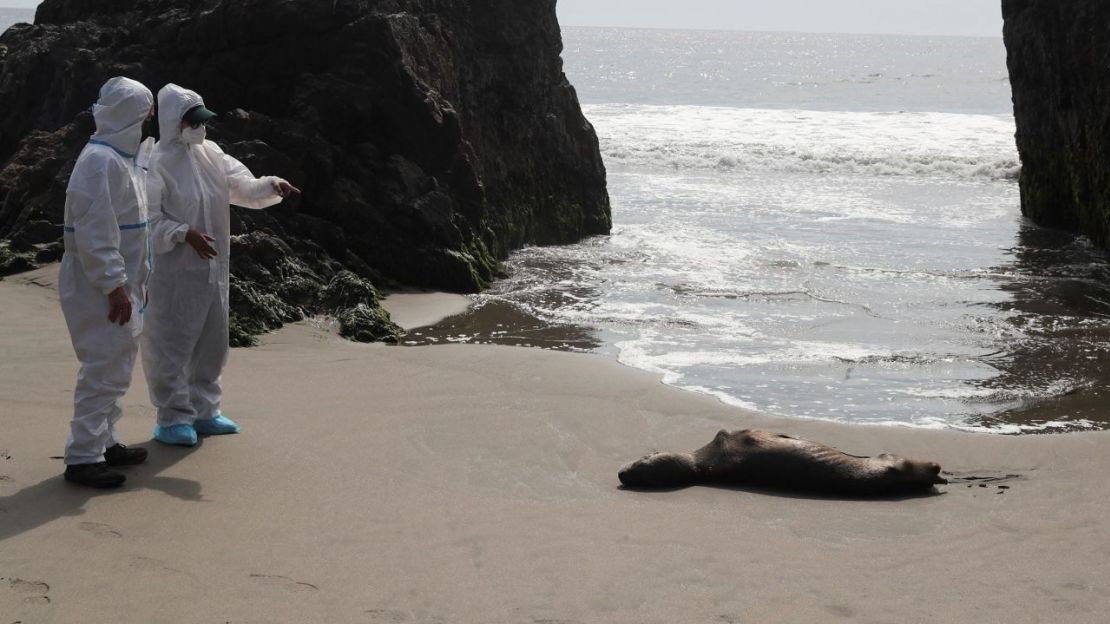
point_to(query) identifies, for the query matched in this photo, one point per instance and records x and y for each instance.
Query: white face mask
(193, 136)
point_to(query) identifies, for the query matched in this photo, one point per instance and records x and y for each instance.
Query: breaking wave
(723, 140)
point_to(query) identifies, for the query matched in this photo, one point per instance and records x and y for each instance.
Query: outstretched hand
(119, 306)
(202, 244)
(285, 189)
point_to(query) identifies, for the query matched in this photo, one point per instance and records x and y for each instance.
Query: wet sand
(415, 309)
(471, 483)
(499, 323)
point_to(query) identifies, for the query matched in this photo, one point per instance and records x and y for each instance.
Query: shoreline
(469, 483)
(501, 323)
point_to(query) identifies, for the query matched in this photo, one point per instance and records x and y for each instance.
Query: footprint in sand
(99, 530)
(283, 582)
(389, 616)
(841, 611)
(996, 481)
(139, 562)
(31, 592)
(394, 616)
(521, 614)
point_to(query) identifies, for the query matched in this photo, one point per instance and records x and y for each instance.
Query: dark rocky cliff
(1058, 52)
(430, 137)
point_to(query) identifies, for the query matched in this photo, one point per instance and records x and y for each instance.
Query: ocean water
(815, 226)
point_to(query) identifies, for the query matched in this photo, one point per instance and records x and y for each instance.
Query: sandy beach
(477, 484)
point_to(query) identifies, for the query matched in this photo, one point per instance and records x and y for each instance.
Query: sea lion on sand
(753, 457)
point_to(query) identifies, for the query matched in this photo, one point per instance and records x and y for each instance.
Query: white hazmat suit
(106, 247)
(190, 187)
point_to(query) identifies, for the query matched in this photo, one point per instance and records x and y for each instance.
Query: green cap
(197, 115)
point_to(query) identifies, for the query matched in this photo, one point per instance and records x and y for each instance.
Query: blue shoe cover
(179, 435)
(220, 425)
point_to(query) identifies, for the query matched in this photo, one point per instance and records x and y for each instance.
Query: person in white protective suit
(103, 279)
(190, 186)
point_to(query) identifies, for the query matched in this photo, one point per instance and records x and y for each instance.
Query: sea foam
(699, 138)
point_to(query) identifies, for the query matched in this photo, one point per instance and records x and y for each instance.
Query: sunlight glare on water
(834, 235)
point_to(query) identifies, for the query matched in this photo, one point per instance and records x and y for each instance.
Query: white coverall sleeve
(165, 233)
(248, 191)
(96, 233)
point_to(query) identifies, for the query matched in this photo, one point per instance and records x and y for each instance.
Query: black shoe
(120, 455)
(94, 475)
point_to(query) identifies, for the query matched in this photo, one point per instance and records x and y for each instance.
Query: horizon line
(782, 32)
(731, 30)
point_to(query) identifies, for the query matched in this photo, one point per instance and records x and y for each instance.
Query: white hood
(120, 111)
(173, 103)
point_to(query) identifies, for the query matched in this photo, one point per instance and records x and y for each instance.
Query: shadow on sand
(53, 498)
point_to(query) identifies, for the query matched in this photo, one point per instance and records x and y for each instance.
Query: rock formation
(430, 137)
(1058, 53)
